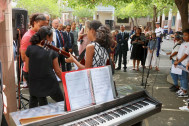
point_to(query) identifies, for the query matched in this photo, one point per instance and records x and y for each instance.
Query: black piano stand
(138, 124)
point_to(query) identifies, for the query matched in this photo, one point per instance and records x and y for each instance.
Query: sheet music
(102, 86)
(79, 91)
(182, 68)
(176, 70)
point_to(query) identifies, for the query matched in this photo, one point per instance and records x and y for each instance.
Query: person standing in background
(83, 37)
(122, 40)
(69, 43)
(47, 16)
(36, 21)
(75, 33)
(137, 50)
(159, 33)
(113, 46)
(117, 47)
(55, 24)
(61, 45)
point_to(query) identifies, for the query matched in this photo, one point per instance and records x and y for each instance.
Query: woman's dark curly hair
(36, 17)
(41, 35)
(103, 34)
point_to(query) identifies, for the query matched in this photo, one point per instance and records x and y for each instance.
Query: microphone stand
(142, 83)
(150, 63)
(20, 97)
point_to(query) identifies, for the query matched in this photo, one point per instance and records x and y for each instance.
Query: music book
(87, 87)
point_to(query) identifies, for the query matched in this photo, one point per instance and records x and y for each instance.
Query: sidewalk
(159, 89)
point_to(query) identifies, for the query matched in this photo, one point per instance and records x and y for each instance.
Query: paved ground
(170, 115)
(159, 89)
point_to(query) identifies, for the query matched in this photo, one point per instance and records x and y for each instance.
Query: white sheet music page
(102, 87)
(176, 70)
(79, 92)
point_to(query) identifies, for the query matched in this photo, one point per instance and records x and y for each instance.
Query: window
(166, 18)
(125, 20)
(173, 21)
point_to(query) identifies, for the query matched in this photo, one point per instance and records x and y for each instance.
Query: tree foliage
(83, 12)
(132, 10)
(41, 6)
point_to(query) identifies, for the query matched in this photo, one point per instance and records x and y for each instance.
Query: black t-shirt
(42, 78)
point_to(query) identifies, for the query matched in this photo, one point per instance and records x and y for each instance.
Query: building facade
(106, 16)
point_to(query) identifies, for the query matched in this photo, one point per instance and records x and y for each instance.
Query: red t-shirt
(25, 42)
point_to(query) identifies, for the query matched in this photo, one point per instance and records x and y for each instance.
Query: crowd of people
(42, 67)
(143, 43)
(95, 43)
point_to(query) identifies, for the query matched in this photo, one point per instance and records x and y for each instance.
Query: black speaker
(19, 21)
(109, 23)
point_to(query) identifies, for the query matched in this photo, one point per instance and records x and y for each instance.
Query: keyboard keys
(126, 109)
(99, 119)
(113, 114)
(143, 103)
(107, 117)
(132, 107)
(121, 112)
(147, 100)
(137, 105)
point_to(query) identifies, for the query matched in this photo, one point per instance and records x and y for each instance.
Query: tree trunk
(6, 57)
(133, 23)
(161, 21)
(154, 18)
(136, 21)
(182, 6)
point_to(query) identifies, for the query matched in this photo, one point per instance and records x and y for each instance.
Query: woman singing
(96, 53)
(40, 64)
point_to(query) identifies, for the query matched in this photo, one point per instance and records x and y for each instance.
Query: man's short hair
(122, 25)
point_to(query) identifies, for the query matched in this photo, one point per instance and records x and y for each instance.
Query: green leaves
(83, 12)
(133, 10)
(41, 6)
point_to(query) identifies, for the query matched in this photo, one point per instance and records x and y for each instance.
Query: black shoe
(125, 70)
(174, 89)
(118, 68)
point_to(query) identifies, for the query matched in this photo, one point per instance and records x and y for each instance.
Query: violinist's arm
(89, 58)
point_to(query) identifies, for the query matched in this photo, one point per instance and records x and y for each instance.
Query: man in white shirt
(159, 33)
(173, 56)
(55, 24)
(182, 59)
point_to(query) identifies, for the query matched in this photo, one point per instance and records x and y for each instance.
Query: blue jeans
(184, 79)
(175, 77)
(159, 45)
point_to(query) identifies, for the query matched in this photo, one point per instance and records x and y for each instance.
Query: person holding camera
(151, 56)
(137, 50)
(84, 41)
